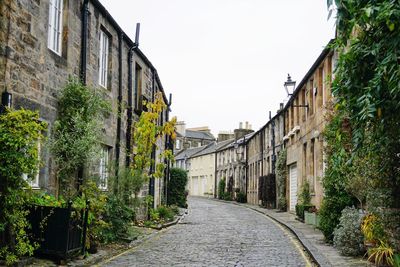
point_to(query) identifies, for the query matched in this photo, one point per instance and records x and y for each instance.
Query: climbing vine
(281, 174)
(76, 132)
(20, 132)
(363, 135)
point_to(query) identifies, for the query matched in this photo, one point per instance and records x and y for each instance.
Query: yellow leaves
(379, 111)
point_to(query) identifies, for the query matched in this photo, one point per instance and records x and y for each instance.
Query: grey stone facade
(34, 74)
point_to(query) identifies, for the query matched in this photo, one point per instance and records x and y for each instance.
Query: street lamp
(289, 85)
(6, 100)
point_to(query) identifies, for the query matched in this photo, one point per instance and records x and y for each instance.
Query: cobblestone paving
(217, 234)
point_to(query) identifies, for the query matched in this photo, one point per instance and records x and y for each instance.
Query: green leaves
(20, 132)
(77, 131)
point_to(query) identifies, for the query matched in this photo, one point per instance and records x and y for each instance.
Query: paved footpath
(218, 234)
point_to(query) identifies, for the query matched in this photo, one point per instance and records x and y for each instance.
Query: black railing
(58, 231)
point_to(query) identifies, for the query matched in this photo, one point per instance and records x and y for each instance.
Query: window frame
(103, 168)
(34, 183)
(104, 47)
(54, 33)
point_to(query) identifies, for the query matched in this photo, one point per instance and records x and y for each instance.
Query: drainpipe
(129, 124)
(168, 145)
(246, 167)
(85, 15)
(130, 108)
(118, 145)
(215, 175)
(153, 152)
(273, 143)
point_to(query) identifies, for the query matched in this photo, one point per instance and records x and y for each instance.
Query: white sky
(225, 61)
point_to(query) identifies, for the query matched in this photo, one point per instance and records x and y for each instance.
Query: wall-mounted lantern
(289, 85)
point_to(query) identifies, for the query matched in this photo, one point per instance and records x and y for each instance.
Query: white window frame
(103, 168)
(55, 26)
(103, 58)
(33, 183)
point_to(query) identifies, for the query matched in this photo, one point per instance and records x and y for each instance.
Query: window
(103, 59)
(178, 144)
(33, 179)
(138, 87)
(55, 22)
(103, 168)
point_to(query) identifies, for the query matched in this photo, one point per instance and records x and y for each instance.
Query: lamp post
(289, 85)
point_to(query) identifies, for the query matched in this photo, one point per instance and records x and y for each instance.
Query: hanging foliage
(20, 132)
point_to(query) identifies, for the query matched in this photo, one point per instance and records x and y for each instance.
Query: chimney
(247, 125)
(280, 106)
(181, 127)
(240, 125)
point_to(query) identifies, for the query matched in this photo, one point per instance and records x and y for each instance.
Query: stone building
(262, 150)
(43, 43)
(191, 137)
(231, 162)
(304, 122)
(201, 172)
(296, 127)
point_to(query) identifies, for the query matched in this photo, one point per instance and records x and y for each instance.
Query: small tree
(221, 188)
(281, 179)
(20, 132)
(76, 132)
(146, 136)
(176, 188)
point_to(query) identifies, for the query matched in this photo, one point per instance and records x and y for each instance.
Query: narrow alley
(217, 234)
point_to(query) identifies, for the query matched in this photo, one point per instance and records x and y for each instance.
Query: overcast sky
(225, 61)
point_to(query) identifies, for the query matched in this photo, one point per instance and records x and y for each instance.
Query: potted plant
(311, 216)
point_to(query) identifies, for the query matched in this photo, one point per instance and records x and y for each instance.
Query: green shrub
(281, 174)
(176, 188)
(119, 217)
(76, 132)
(241, 197)
(221, 189)
(348, 238)
(227, 196)
(305, 196)
(166, 213)
(300, 208)
(20, 131)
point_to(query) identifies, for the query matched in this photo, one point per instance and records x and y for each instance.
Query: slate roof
(190, 152)
(199, 135)
(214, 147)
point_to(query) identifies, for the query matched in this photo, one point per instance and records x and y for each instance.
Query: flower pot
(310, 218)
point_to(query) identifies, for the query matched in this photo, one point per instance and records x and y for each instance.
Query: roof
(187, 153)
(210, 149)
(199, 135)
(240, 141)
(223, 144)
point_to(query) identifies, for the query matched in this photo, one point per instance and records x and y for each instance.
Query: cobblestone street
(217, 234)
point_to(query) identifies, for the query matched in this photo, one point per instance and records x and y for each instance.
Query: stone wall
(35, 75)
